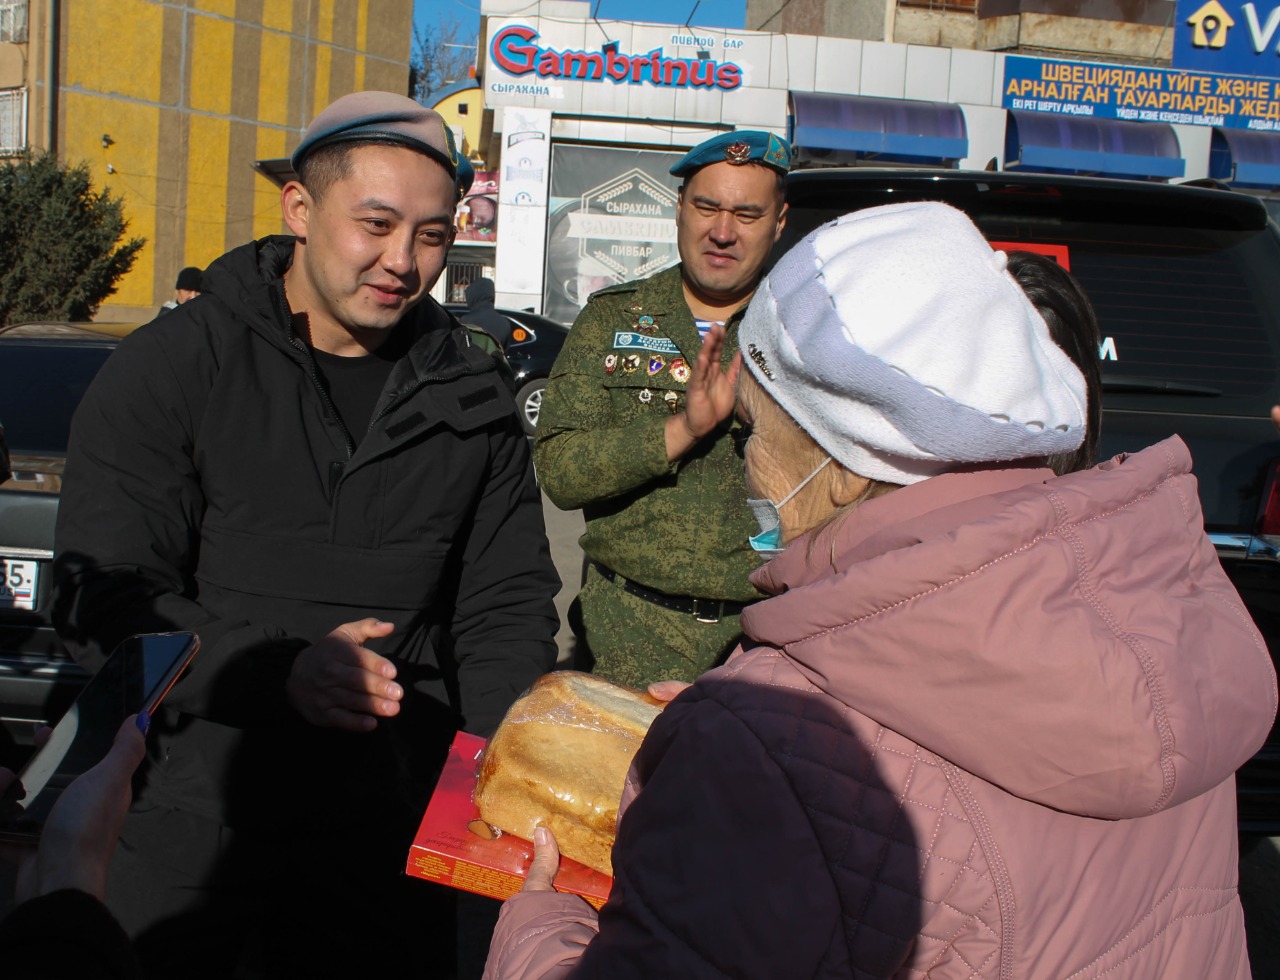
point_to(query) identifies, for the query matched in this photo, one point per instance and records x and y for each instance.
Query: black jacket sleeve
(66, 933)
(505, 619)
(129, 523)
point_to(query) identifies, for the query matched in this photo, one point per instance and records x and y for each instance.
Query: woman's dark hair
(1074, 327)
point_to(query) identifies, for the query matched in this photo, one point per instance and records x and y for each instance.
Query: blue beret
(382, 117)
(743, 146)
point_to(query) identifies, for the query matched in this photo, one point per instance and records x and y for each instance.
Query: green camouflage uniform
(680, 528)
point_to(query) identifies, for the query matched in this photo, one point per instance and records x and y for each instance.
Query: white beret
(896, 338)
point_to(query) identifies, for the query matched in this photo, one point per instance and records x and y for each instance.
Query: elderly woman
(987, 722)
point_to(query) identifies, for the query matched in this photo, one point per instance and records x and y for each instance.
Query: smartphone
(136, 677)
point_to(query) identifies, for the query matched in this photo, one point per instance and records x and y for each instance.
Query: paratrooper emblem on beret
(737, 153)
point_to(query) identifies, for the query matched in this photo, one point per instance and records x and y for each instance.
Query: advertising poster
(612, 219)
(1140, 94)
(477, 218)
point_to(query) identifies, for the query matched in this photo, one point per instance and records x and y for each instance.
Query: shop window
(13, 121)
(460, 276)
(13, 22)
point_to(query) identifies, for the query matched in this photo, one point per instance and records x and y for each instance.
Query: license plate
(18, 583)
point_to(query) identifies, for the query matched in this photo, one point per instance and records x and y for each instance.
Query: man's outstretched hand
(339, 683)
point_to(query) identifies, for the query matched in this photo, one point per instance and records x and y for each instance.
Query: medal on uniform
(672, 400)
(680, 369)
(631, 363)
(646, 325)
(656, 363)
(646, 396)
(610, 363)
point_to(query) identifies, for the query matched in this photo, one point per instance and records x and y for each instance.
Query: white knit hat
(896, 338)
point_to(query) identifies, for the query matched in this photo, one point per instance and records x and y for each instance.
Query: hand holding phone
(135, 678)
(80, 833)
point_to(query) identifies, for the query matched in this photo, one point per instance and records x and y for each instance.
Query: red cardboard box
(446, 851)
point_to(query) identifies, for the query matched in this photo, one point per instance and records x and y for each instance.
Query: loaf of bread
(560, 759)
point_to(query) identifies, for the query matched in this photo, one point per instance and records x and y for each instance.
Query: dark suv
(1186, 284)
(44, 370)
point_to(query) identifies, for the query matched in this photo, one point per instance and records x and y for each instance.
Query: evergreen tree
(60, 241)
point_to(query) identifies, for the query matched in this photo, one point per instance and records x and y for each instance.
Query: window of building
(463, 108)
(13, 21)
(13, 121)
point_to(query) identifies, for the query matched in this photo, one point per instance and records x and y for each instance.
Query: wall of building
(1109, 30)
(462, 107)
(187, 94)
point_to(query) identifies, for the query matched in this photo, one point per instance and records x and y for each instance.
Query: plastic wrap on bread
(560, 759)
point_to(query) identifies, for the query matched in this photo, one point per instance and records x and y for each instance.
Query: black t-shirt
(354, 383)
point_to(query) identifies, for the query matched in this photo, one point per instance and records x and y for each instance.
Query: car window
(1187, 312)
(40, 387)
(1193, 309)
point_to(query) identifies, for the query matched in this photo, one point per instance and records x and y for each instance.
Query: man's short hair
(326, 166)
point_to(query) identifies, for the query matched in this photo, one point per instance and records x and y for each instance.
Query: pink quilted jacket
(986, 729)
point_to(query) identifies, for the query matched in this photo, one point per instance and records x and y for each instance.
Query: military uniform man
(639, 433)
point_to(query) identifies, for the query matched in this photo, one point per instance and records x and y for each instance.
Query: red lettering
(728, 76)
(702, 73)
(675, 73)
(513, 57)
(617, 65)
(549, 64)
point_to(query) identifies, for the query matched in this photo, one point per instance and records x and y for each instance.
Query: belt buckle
(702, 617)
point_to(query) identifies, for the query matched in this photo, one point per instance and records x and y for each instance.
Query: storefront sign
(1140, 94)
(1228, 37)
(526, 156)
(515, 52)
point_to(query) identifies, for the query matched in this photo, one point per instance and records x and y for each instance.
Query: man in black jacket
(310, 467)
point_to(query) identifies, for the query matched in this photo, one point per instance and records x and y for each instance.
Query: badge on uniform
(680, 370)
(631, 363)
(646, 325)
(634, 340)
(646, 396)
(610, 363)
(656, 363)
(672, 400)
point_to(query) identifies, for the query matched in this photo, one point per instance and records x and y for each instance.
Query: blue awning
(1245, 158)
(1048, 142)
(848, 128)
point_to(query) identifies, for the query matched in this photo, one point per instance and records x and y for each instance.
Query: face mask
(768, 543)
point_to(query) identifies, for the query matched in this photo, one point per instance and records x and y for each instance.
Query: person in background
(187, 288)
(987, 721)
(481, 313)
(323, 478)
(650, 460)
